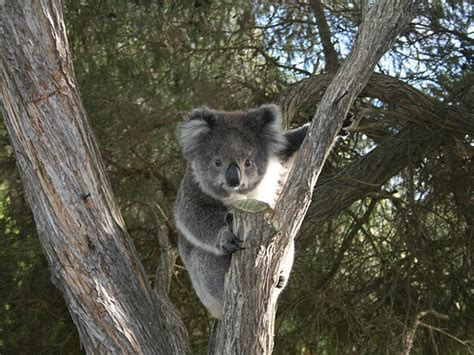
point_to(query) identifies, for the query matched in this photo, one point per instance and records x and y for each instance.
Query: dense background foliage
(394, 264)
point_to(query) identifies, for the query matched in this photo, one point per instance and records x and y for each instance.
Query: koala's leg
(207, 273)
(215, 268)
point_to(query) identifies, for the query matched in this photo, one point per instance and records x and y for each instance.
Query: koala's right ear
(267, 122)
(197, 123)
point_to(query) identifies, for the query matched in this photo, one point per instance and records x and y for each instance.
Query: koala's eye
(247, 163)
(218, 162)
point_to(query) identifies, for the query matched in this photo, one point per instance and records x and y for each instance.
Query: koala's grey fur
(230, 156)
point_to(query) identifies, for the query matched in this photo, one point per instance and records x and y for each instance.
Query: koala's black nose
(232, 175)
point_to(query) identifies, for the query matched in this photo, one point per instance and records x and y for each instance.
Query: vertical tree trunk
(252, 298)
(379, 29)
(91, 256)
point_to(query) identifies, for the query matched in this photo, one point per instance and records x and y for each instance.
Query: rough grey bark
(381, 25)
(91, 256)
(253, 307)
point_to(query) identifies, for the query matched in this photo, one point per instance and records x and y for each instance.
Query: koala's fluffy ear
(197, 123)
(268, 116)
(267, 120)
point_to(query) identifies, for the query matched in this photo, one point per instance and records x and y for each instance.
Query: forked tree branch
(249, 308)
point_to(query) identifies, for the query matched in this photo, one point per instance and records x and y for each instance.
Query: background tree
(386, 250)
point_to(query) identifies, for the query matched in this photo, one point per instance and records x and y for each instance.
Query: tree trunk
(247, 281)
(91, 256)
(250, 296)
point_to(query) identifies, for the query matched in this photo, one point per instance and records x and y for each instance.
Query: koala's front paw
(229, 242)
(348, 121)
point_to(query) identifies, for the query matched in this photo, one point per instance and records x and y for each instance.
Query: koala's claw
(233, 246)
(348, 121)
(344, 133)
(231, 243)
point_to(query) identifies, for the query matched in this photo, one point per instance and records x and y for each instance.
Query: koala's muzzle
(232, 175)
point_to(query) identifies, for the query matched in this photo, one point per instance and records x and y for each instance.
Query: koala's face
(229, 161)
(229, 151)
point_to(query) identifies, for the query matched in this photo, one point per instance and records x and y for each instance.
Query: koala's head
(229, 151)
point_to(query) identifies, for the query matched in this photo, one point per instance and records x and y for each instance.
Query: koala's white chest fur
(268, 190)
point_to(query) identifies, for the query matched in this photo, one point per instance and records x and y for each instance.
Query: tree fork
(381, 25)
(250, 284)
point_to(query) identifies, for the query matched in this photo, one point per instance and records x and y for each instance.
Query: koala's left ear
(267, 121)
(198, 123)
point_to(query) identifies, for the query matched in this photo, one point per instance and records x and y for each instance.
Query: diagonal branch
(420, 108)
(431, 122)
(379, 29)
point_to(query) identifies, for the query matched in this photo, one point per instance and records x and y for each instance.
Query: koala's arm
(294, 138)
(207, 227)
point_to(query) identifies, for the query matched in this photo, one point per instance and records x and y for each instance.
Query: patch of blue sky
(296, 51)
(410, 59)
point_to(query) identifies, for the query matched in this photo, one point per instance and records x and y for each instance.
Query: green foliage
(362, 278)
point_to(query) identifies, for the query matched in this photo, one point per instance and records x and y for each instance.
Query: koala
(230, 156)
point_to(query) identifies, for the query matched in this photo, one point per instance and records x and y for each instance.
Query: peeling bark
(92, 258)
